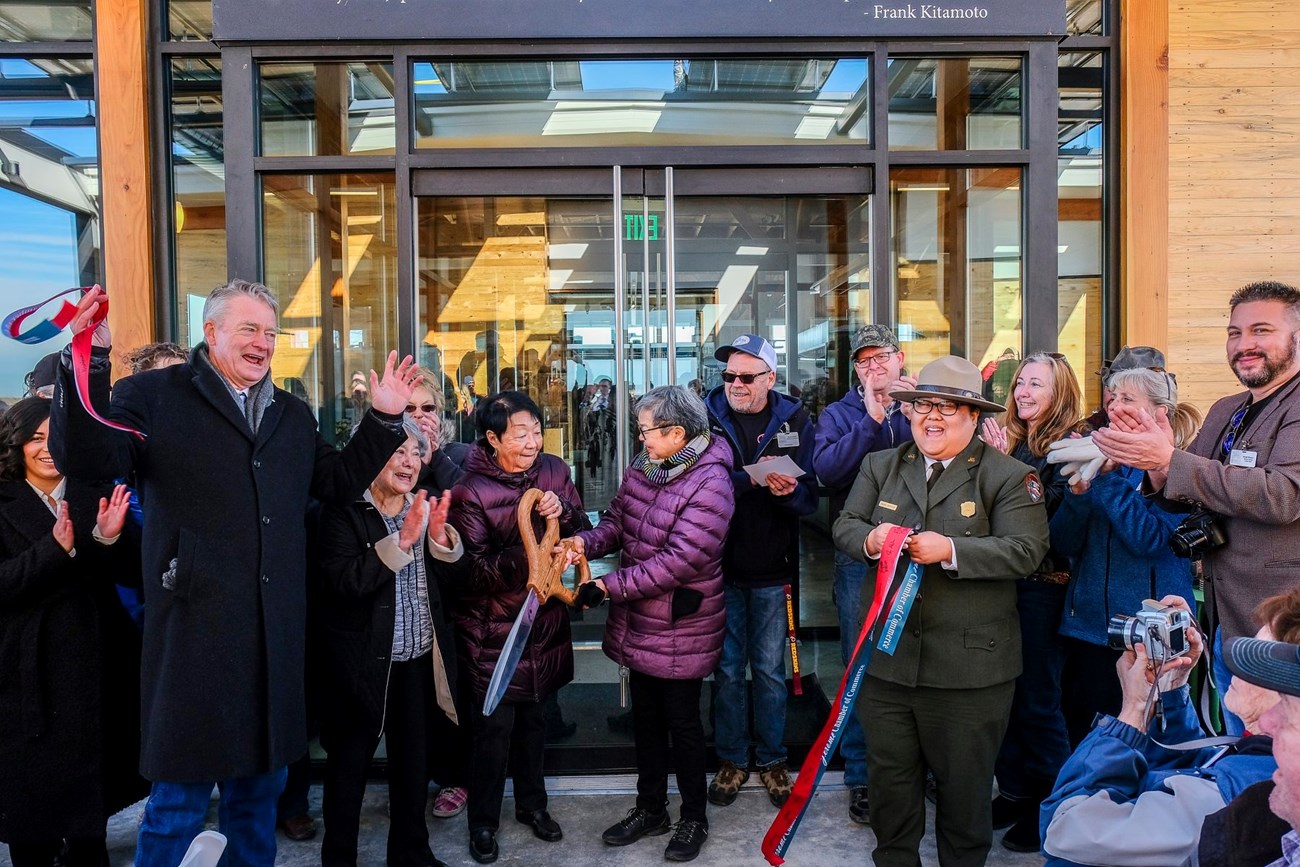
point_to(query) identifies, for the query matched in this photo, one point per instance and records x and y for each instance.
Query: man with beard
(1243, 467)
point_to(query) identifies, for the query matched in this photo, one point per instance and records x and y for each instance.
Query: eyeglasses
(645, 430)
(880, 359)
(945, 407)
(426, 408)
(747, 378)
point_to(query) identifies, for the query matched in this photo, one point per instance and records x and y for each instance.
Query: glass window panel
(1084, 16)
(49, 197)
(1082, 231)
(198, 189)
(43, 21)
(955, 103)
(957, 267)
(605, 103)
(326, 109)
(189, 19)
(330, 254)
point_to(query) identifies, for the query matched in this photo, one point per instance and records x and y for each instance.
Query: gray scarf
(260, 395)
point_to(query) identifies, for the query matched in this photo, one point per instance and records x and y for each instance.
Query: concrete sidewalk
(585, 806)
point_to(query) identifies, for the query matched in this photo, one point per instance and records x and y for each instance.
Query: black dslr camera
(1198, 534)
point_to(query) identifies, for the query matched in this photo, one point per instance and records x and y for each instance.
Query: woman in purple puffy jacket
(666, 618)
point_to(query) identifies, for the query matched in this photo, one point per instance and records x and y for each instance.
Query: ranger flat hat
(950, 378)
(873, 335)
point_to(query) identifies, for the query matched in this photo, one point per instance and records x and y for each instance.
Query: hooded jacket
(672, 539)
(762, 548)
(845, 435)
(492, 583)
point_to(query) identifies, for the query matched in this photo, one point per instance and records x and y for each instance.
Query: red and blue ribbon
(12, 326)
(781, 834)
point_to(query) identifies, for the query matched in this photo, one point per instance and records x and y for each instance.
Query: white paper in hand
(783, 465)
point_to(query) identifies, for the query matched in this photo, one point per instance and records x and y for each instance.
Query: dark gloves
(589, 595)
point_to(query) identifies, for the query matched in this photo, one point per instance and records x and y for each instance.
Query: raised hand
(875, 407)
(392, 392)
(1135, 439)
(994, 435)
(87, 309)
(413, 526)
(63, 527)
(112, 512)
(438, 519)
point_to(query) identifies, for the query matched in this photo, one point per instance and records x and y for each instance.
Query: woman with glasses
(1045, 405)
(445, 458)
(938, 694)
(669, 518)
(506, 462)
(1118, 541)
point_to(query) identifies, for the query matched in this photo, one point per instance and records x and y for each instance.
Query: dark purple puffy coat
(672, 538)
(489, 589)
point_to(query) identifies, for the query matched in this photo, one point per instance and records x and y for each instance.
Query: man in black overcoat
(224, 473)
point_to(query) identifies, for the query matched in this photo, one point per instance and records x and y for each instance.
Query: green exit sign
(635, 226)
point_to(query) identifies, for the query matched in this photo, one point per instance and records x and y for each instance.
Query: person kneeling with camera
(1129, 795)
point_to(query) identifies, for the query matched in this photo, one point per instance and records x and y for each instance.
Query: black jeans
(412, 706)
(661, 708)
(1091, 686)
(513, 739)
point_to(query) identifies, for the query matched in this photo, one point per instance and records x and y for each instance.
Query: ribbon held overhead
(41, 331)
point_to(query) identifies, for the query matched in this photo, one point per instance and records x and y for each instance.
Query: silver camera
(1162, 630)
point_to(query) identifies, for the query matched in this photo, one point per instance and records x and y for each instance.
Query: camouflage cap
(1133, 358)
(873, 335)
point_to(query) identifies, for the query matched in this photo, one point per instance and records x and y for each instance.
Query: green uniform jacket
(963, 631)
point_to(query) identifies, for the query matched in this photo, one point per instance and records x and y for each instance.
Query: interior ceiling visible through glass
(27, 21)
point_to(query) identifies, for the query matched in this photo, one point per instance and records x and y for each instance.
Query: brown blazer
(1260, 505)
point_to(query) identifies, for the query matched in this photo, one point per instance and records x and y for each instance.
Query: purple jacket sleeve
(490, 571)
(695, 541)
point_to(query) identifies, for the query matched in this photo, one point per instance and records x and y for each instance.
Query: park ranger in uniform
(942, 698)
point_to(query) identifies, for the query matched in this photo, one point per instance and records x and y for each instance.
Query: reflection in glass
(44, 21)
(589, 103)
(198, 189)
(330, 255)
(1083, 16)
(955, 103)
(957, 267)
(49, 196)
(189, 19)
(1080, 247)
(326, 109)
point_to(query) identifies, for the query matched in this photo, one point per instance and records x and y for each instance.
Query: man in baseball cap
(865, 420)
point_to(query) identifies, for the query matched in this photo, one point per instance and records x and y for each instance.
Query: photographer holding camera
(1125, 797)
(1243, 467)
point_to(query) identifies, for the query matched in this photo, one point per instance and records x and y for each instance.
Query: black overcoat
(69, 672)
(224, 555)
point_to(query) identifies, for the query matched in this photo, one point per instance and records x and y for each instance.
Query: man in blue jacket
(865, 420)
(761, 556)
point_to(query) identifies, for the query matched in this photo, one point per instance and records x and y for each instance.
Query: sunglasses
(426, 408)
(747, 378)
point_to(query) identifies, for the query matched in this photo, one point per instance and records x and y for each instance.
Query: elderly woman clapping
(389, 657)
(666, 617)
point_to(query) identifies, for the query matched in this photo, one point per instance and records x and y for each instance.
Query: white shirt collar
(56, 495)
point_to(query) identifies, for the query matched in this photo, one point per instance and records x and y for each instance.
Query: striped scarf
(664, 471)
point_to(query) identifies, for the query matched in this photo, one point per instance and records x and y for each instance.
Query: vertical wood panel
(122, 70)
(1144, 134)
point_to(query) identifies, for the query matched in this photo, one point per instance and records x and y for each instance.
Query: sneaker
(450, 801)
(636, 824)
(726, 784)
(858, 809)
(776, 779)
(686, 841)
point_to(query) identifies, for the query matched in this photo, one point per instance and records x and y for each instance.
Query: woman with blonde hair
(1118, 542)
(1045, 405)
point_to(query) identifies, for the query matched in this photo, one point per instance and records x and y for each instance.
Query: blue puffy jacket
(1123, 799)
(1118, 544)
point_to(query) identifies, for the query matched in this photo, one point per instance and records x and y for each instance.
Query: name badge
(890, 506)
(787, 439)
(1241, 458)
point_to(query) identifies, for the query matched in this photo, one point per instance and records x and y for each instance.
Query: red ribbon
(81, 351)
(781, 833)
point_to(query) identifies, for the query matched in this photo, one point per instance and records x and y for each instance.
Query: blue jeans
(1232, 724)
(1036, 743)
(849, 575)
(756, 634)
(174, 814)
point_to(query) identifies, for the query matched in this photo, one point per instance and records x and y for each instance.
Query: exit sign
(635, 226)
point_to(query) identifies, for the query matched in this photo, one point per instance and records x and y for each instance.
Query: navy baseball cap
(1271, 664)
